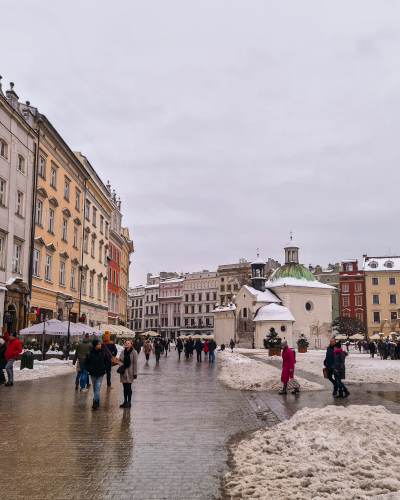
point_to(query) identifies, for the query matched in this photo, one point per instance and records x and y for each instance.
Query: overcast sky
(223, 125)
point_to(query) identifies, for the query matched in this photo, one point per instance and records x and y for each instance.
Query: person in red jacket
(287, 367)
(14, 347)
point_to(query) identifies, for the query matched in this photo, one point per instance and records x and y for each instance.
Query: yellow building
(382, 286)
(126, 250)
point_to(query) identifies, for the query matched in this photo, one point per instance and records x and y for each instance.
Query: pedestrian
(128, 359)
(392, 349)
(398, 349)
(191, 346)
(381, 348)
(137, 345)
(111, 350)
(13, 349)
(386, 349)
(80, 356)
(3, 347)
(187, 348)
(179, 346)
(96, 365)
(329, 362)
(288, 370)
(166, 346)
(347, 345)
(147, 347)
(339, 370)
(205, 348)
(212, 345)
(359, 343)
(158, 348)
(199, 347)
(371, 349)
(232, 344)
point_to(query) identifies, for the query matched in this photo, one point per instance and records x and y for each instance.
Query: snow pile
(332, 452)
(42, 369)
(240, 372)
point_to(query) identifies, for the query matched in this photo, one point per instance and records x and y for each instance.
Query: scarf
(336, 351)
(127, 357)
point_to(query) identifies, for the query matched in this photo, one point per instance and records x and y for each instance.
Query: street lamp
(70, 304)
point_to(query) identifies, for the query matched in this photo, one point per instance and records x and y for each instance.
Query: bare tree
(242, 275)
(317, 330)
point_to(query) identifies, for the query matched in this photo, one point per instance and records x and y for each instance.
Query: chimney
(1, 87)
(12, 97)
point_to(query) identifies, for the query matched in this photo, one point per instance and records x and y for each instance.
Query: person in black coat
(96, 363)
(371, 349)
(199, 347)
(158, 349)
(232, 344)
(212, 345)
(179, 346)
(191, 346)
(3, 347)
(166, 345)
(328, 363)
(187, 349)
(339, 369)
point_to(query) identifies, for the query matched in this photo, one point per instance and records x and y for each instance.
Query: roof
(292, 271)
(274, 312)
(173, 280)
(296, 282)
(291, 244)
(266, 296)
(152, 286)
(381, 263)
(226, 308)
(258, 261)
(349, 260)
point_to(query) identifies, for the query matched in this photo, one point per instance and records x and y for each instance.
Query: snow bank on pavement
(42, 369)
(241, 372)
(332, 452)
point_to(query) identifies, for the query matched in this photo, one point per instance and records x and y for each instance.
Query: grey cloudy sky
(223, 125)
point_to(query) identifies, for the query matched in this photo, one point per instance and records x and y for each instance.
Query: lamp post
(69, 303)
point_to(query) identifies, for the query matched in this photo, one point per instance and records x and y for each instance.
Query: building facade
(170, 303)
(330, 276)
(382, 279)
(200, 295)
(136, 301)
(17, 155)
(126, 251)
(151, 304)
(352, 300)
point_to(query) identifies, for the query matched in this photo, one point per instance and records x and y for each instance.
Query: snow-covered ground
(240, 372)
(325, 453)
(41, 369)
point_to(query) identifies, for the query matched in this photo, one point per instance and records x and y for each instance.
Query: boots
(346, 393)
(296, 391)
(76, 384)
(340, 394)
(96, 404)
(283, 391)
(334, 393)
(8, 384)
(125, 404)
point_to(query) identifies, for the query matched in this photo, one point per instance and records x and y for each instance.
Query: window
(200, 297)
(309, 306)
(345, 288)
(53, 177)
(83, 283)
(115, 255)
(374, 281)
(389, 265)
(222, 288)
(94, 212)
(244, 312)
(107, 230)
(105, 256)
(62, 273)
(85, 243)
(101, 224)
(186, 298)
(50, 228)
(358, 287)
(98, 289)
(345, 301)
(192, 309)
(1, 251)
(66, 190)
(393, 315)
(200, 308)
(373, 265)
(39, 212)
(20, 198)
(64, 230)
(47, 268)
(147, 323)
(21, 164)
(3, 149)
(73, 278)
(75, 242)
(186, 309)
(207, 308)
(115, 277)
(359, 316)
(375, 299)
(118, 255)
(358, 300)
(91, 285)
(2, 192)
(235, 287)
(110, 275)
(77, 200)
(377, 317)
(87, 211)
(207, 296)
(392, 281)
(228, 288)
(42, 167)
(104, 290)
(36, 262)
(100, 252)
(92, 248)
(349, 267)
(392, 299)
(214, 295)
(16, 258)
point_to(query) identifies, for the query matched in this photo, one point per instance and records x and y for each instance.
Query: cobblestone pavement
(172, 444)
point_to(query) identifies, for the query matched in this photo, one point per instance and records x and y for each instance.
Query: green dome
(293, 271)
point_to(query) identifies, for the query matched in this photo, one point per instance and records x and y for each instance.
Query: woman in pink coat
(287, 368)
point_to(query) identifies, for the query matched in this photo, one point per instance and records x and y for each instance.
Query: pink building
(170, 298)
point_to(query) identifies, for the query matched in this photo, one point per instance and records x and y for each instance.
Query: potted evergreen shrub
(273, 343)
(302, 343)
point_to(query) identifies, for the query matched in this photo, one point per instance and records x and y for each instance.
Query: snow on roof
(152, 286)
(291, 244)
(232, 307)
(173, 280)
(266, 296)
(258, 261)
(382, 263)
(296, 282)
(274, 312)
(349, 260)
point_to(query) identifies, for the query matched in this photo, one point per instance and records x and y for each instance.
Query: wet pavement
(172, 444)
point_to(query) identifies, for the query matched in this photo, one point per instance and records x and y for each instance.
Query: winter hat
(338, 344)
(87, 336)
(14, 335)
(106, 336)
(284, 343)
(94, 343)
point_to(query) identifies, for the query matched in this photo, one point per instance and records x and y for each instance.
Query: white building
(136, 299)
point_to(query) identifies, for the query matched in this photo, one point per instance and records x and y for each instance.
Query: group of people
(189, 346)
(10, 349)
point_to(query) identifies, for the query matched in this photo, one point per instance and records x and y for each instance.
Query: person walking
(96, 365)
(137, 345)
(111, 350)
(3, 347)
(398, 349)
(232, 344)
(371, 349)
(187, 349)
(359, 343)
(191, 344)
(166, 345)
(329, 362)
(288, 369)
(80, 356)
(212, 345)
(158, 349)
(392, 349)
(13, 349)
(205, 348)
(128, 359)
(199, 347)
(147, 347)
(339, 370)
(179, 346)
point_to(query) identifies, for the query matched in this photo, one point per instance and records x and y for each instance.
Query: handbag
(114, 360)
(121, 370)
(325, 372)
(293, 384)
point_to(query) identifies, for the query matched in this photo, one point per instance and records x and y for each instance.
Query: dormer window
(373, 265)
(389, 264)
(349, 267)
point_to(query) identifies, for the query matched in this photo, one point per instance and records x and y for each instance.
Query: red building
(114, 259)
(351, 282)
